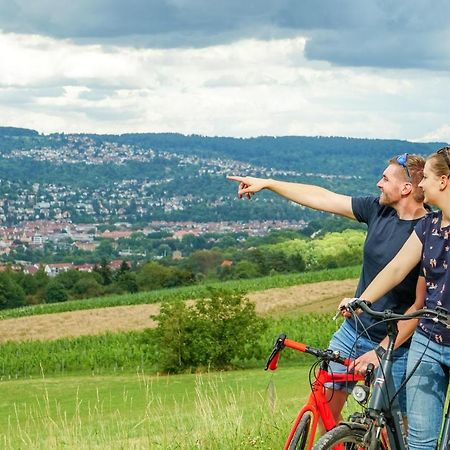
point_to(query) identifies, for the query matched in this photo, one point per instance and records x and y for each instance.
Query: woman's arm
(405, 330)
(403, 262)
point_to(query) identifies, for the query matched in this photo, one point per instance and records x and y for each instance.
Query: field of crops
(185, 293)
(138, 351)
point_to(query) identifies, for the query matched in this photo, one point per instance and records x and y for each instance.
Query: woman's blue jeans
(426, 390)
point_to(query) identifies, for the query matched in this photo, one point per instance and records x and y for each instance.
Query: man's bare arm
(308, 195)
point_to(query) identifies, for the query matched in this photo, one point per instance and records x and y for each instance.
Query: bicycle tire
(351, 438)
(300, 439)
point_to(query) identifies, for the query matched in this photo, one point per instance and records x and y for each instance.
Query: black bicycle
(380, 426)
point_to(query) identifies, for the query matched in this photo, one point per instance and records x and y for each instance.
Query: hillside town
(125, 199)
(62, 235)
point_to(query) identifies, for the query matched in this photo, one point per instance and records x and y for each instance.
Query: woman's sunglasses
(444, 153)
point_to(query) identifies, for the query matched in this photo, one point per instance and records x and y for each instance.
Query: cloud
(441, 134)
(247, 88)
(401, 34)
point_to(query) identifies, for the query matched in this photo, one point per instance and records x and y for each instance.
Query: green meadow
(250, 409)
(229, 410)
(104, 392)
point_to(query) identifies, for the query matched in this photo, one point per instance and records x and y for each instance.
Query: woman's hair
(440, 162)
(415, 165)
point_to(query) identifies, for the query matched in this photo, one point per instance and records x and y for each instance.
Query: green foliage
(97, 354)
(87, 287)
(11, 294)
(156, 276)
(329, 251)
(104, 271)
(215, 332)
(56, 292)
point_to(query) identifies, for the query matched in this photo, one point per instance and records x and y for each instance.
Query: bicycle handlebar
(282, 341)
(439, 314)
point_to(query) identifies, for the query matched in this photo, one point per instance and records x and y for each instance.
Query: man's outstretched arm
(308, 195)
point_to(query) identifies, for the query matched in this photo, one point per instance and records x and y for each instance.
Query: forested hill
(327, 155)
(175, 177)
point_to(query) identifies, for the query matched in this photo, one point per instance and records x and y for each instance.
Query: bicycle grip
(295, 345)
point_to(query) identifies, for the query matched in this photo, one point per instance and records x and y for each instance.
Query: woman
(430, 348)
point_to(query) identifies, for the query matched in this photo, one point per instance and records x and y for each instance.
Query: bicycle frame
(317, 403)
(384, 406)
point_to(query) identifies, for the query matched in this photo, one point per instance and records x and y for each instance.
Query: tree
(105, 272)
(56, 292)
(205, 261)
(246, 269)
(11, 294)
(215, 332)
(154, 276)
(127, 281)
(87, 287)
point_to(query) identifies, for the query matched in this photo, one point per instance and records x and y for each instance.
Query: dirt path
(322, 296)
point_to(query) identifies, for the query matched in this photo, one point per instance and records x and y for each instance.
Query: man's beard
(385, 199)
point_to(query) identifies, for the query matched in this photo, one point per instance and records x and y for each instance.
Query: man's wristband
(380, 351)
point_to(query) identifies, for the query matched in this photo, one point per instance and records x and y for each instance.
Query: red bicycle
(301, 436)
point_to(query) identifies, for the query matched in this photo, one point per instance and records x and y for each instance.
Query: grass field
(249, 409)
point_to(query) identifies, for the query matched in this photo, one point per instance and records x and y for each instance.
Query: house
(115, 234)
(53, 269)
(86, 246)
(116, 263)
(177, 255)
(31, 269)
(226, 263)
(85, 267)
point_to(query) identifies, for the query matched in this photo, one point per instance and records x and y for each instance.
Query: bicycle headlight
(360, 393)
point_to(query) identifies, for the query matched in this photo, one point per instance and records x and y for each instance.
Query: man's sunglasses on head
(402, 161)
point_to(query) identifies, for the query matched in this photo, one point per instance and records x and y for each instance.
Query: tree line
(281, 253)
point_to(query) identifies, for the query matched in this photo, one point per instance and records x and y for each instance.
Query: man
(390, 218)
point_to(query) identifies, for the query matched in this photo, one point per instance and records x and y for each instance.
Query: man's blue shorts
(346, 340)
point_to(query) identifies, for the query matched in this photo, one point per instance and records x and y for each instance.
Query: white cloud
(247, 88)
(441, 134)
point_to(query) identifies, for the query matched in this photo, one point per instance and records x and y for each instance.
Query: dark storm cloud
(379, 33)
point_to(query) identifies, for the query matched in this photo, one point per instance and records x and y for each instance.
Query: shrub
(214, 332)
(56, 292)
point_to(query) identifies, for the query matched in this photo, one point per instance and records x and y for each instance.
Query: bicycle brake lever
(442, 316)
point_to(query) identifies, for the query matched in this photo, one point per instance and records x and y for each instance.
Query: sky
(359, 68)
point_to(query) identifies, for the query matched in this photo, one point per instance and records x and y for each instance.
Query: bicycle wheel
(301, 435)
(346, 438)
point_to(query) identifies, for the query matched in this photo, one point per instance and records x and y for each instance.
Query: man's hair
(415, 165)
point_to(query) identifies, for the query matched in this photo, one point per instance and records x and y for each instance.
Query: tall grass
(210, 411)
(186, 293)
(227, 411)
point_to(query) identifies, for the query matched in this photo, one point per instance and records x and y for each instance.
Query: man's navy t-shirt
(386, 235)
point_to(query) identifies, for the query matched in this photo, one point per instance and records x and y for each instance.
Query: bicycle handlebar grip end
(273, 364)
